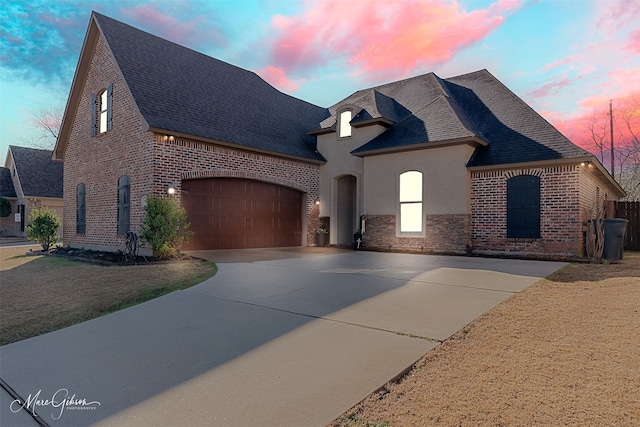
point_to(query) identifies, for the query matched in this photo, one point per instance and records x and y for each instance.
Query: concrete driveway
(292, 338)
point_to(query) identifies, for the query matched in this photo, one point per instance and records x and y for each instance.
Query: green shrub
(5, 207)
(43, 227)
(165, 226)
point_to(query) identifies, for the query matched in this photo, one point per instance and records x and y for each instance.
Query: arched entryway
(346, 221)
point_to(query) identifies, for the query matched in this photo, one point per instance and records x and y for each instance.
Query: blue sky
(563, 57)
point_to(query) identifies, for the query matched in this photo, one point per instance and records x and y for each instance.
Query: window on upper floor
(101, 117)
(411, 202)
(81, 209)
(344, 125)
(523, 207)
(124, 204)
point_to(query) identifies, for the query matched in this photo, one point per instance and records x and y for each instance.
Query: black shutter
(124, 188)
(109, 105)
(94, 119)
(81, 210)
(523, 207)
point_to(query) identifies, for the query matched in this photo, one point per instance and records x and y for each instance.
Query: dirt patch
(565, 351)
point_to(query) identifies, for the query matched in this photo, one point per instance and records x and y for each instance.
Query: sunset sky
(563, 57)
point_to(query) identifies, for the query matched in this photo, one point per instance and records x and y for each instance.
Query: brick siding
(178, 159)
(100, 161)
(152, 162)
(443, 234)
(562, 198)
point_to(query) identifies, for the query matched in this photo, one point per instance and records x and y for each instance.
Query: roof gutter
(473, 141)
(597, 168)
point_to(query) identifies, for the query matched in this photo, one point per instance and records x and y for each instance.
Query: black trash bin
(614, 229)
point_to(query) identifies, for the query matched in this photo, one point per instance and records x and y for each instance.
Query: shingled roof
(475, 106)
(39, 175)
(179, 90)
(6, 183)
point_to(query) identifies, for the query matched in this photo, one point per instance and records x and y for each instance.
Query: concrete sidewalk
(284, 341)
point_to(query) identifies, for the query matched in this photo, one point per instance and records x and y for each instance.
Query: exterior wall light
(171, 190)
(317, 202)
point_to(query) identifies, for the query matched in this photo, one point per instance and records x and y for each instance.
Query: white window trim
(415, 234)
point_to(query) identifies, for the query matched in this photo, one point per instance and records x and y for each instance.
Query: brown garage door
(232, 213)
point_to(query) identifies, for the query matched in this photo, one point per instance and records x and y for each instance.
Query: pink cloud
(549, 88)
(633, 42)
(590, 126)
(558, 63)
(389, 39)
(278, 78)
(613, 15)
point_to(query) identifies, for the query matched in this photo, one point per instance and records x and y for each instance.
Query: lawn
(40, 294)
(565, 351)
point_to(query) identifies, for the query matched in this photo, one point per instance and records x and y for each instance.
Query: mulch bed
(109, 258)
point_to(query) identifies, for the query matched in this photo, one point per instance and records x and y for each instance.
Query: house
(8, 225)
(30, 179)
(427, 164)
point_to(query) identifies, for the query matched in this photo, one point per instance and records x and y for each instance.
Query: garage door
(231, 213)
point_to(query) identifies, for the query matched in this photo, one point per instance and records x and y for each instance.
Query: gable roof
(39, 175)
(180, 91)
(474, 107)
(6, 183)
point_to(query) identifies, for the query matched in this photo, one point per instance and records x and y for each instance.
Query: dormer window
(101, 111)
(344, 125)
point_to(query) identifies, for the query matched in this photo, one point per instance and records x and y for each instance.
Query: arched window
(411, 202)
(345, 126)
(81, 209)
(523, 207)
(124, 204)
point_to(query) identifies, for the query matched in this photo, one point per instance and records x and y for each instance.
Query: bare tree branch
(47, 121)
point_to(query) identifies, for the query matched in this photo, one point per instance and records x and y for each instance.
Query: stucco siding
(446, 183)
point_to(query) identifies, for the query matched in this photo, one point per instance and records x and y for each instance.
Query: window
(124, 204)
(411, 202)
(102, 111)
(81, 210)
(523, 207)
(345, 126)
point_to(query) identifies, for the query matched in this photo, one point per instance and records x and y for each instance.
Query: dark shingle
(474, 105)
(183, 91)
(6, 183)
(39, 175)
(515, 132)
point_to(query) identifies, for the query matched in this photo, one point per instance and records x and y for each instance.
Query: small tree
(43, 227)
(165, 226)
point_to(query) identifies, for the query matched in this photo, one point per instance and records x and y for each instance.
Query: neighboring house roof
(6, 183)
(475, 106)
(179, 90)
(39, 175)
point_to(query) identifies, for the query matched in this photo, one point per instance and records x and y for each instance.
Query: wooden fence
(631, 212)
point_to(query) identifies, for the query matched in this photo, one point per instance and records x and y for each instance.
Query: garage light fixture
(171, 190)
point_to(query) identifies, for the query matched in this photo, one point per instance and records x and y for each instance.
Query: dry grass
(566, 351)
(40, 294)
